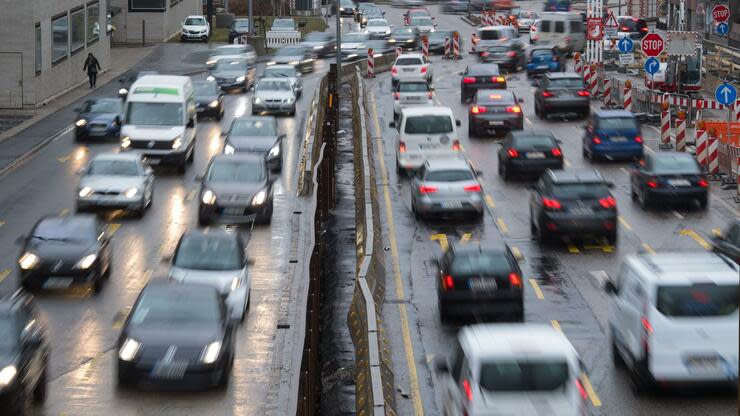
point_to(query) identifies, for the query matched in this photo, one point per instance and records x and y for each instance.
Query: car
(494, 35)
(635, 28)
(239, 28)
(98, 118)
(25, 352)
(286, 71)
(425, 24)
(557, 6)
(411, 66)
(455, 6)
(411, 93)
(509, 55)
(436, 40)
(116, 180)
(298, 55)
(673, 319)
(562, 29)
(512, 369)
(127, 82)
(176, 336)
(233, 73)
(612, 134)
(404, 37)
(380, 48)
(195, 28)
(561, 93)
(727, 242)
(424, 132)
(274, 95)
(529, 152)
(256, 135)
(378, 29)
(494, 112)
(415, 12)
(283, 24)
(322, 44)
(215, 258)
(363, 7)
(368, 14)
(347, 8)
(236, 189)
(573, 202)
(354, 45)
(64, 250)
(666, 178)
(542, 59)
(209, 100)
(446, 186)
(231, 51)
(524, 19)
(477, 77)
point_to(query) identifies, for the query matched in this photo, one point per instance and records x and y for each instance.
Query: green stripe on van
(156, 90)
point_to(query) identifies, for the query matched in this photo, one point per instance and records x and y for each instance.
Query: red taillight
(638, 139)
(484, 54)
(646, 325)
(652, 184)
(468, 390)
(703, 183)
(477, 109)
(423, 70)
(456, 146)
(546, 94)
(429, 95)
(608, 202)
(396, 96)
(596, 140)
(515, 280)
(551, 203)
(513, 153)
(581, 390)
(427, 189)
(557, 152)
(468, 80)
(401, 147)
(514, 109)
(394, 70)
(472, 188)
(644, 29)
(448, 282)
(625, 29)
(583, 93)
(511, 54)
(498, 79)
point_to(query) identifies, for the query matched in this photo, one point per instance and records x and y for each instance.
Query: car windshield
(102, 106)
(231, 64)
(403, 31)
(251, 127)
(480, 264)
(629, 24)
(162, 307)
(230, 50)
(565, 83)
(8, 333)
(497, 49)
(282, 23)
(354, 37)
(541, 53)
(428, 125)
(697, 300)
(279, 73)
(290, 51)
(273, 85)
(64, 229)
(235, 172)
(413, 87)
(449, 176)
(618, 123)
(675, 164)
(208, 253)
(484, 70)
(113, 167)
(580, 190)
(525, 375)
(527, 15)
(409, 61)
(489, 98)
(154, 114)
(377, 23)
(421, 21)
(205, 88)
(241, 24)
(195, 21)
(533, 141)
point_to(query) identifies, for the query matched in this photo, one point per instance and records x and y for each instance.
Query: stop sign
(652, 44)
(720, 13)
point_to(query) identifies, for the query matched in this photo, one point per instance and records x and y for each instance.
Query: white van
(674, 318)
(424, 132)
(562, 29)
(160, 120)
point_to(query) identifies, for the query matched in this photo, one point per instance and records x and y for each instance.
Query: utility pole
(339, 43)
(251, 19)
(209, 11)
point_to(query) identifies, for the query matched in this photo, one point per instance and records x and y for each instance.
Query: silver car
(274, 95)
(446, 186)
(286, 71)
(215, 258)
(411, 66)
(410, 93)
(245, 51)
(378, 29)
(116, 180)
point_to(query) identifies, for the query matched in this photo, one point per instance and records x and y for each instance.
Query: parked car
(98, 119)
(116, 180)
(239, 28)
(209, 100)
(195, 28)
(447, 186)
(493, 112)
(274, 95)
(561, 93)
(529, 152)
(233, 73)
(612, 134)
(256, 135)
(480, 77)
(668, 178)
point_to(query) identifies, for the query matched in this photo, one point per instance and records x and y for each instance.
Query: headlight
(289, 100)
(210, 78)
(241, 78)
(7, 375)
(28, 261)
(259, 198)
(271, 63)
(213, 104)
(130, 192)
(86, 261)
(208, 197)
(210, 352)
(176, 143)
(293, 62)
(316, 48)
(129, 349)
(122, 91)
(211, 62)
(409, 40)
(229, 149)
(235, 283)
(125, 142)
(257, 100)
(274, 151)
(81, 122)
(387, 32)
(391, 41)
(85, 192)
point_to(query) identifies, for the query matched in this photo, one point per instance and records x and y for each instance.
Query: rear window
(580, 190)
(565, 83)
(481, 264)
(513, 375)
(484, 70)
(672, 164)
(618, 123)
(497, 49)
(697, 300)
(408, 61)
(534, 141)
(541, 53)
(428, 125)
(449, 176)
(413, 87)
(492, 35)
(485, 97)
(559, 27)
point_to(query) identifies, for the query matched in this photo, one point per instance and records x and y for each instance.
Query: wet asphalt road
(84, 327)
(563, 281)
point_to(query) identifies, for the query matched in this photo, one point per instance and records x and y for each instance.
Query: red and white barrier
(587, 75)
(628, 97)
(447, 48)
(578, 63)
(665, 129)
(370, 63)
(607, 86)
(713, 156)
(593, 84)
(701, 147)
(456, 46)
(736, 111)
(425, 46)
(399, 51)
(681, 133)
(473, 43)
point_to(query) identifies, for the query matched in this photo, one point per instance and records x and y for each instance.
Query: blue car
(557, 6)
(99, 118)
(612, 135)
(542, 59)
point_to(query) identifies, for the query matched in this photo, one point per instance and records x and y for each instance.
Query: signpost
(726, 94)
(652, 65)
(652, 45)
(611, 25)
(720, 13)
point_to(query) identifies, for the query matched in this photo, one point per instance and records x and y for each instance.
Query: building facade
(150, 21)
(45, 44)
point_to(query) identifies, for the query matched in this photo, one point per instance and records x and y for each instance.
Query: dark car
(573, 203)
(256, 135)
(322, 44)
(437, 40)
(177, 335)
(236, 189)
(455, 6)
(493, 112)
(406, 37)
(507, 54)
(98, 118)
(362, 7)
(233, 74)
(347, 8)
(64, 250)
(667, 178)
(480, 77)
(728, 241)
(476, 281)
(371, 13)
(239, 27)
(561, 93)
(636, 28)
(612, 134)
(529, 153)
(209, 100)
(297, 55)
(24, 354)
(542, 59)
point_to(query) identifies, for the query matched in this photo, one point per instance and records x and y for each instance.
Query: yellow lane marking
(64, 212)
(556, 325)
(517, 253)
(697, 238)
(489, 202)
(573, 249)
(113, 227)
(590, 391)
(120, 317)
(502, 226)
(466, 237)
(537, 290)
(3, 274)
(624, 223)
(406, 333)
(442, 239)
(647, 248)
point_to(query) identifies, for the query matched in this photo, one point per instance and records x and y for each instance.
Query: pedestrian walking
(92, 67)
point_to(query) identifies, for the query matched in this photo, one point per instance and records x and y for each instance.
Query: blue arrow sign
(625, 45)
(723, 28)
(652, 66)
(725, 94)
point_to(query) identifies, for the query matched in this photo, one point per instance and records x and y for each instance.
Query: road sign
(722, 29)
(720, 13)
(594, 28)
(610, 25)
(725, 94)
(626, 59)
(626, 45)
(681, 43)
(652, 65)
(652, 44)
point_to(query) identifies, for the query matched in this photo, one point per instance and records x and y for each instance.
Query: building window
(38, 48)
(93, 22)
(59, 38)
(77, 29)
(146, 5)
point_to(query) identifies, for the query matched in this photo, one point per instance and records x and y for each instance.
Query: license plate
(57, 283)
(174, 370)
(234, 211)
(535, 155)
(428, 146)
(451, 204)
(703, 363)
(408, 69)
(619, 139)
(482, 284)
(679, 182)
(581, 211)
(495, 123)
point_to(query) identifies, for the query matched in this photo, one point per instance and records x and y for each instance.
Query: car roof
(614, 114)
(562, 75)
(575, 176)
(79, 221)
(211, 232)
(491, 69)
(529, 133)
(123, 156)
(281, 66)
(266, 119)
(169, 287)
(683, 268)
(410, 55)
(488, 341)
(445, 163)
(495, 246)
(671, 155)
(432, 110)
(235, 57)
(281, 79)
(239, 157)
(194, 16)
(497, 27)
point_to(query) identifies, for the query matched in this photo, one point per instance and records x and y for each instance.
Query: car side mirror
(21, 239)
(282, 136)
(458, 123)
(191, 123)
(392, 124)
(441, 366)
(610, 288)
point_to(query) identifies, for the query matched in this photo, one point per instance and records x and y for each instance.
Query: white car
(512, 369)
(116, 180)
(195, 28)
(525, 19)
(274, 95)
(425, 24)
(410, 67)
(378, 28)
(286, 71)
(215, 258)
(425, 132)
(411, 93)
(674, 318)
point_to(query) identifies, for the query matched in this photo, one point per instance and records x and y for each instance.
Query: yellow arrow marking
(112, 228)
(489, 202)
(697, 238)
(466, 237)
(441, 239)
(647, 248)
(624, 223)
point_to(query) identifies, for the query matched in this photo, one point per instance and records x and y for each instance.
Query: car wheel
(444, 317)
(640, 377)
(244, 311)
(191, 156)
(265, 218)
(617, 359)
(644, 200)
(98, 284)
(703, 202)
(203, 221)
(39, 392)
(542, 235)
(505, 175)
(532, 227)
(633, 194)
